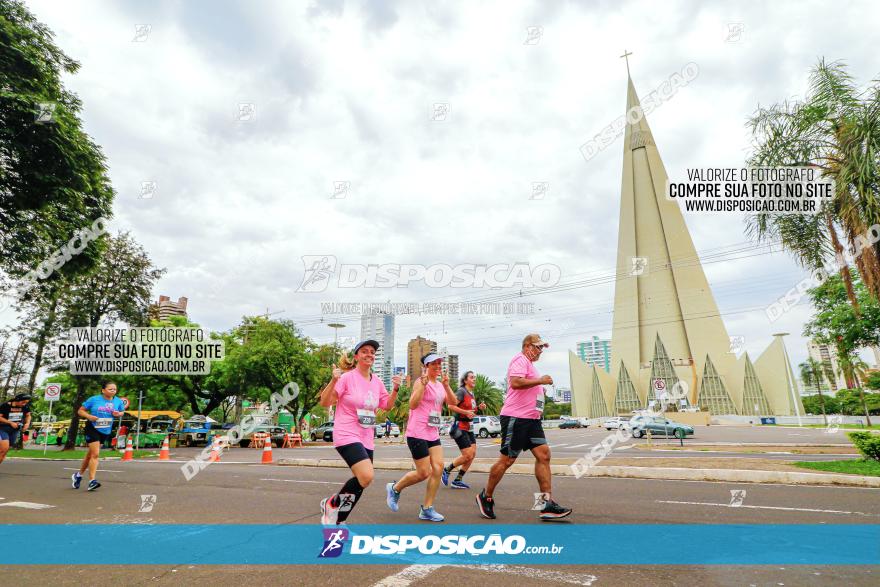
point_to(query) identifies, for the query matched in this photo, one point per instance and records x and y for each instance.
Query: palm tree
(486, 392)
(836, 130)
(811, 372)
(853, 368)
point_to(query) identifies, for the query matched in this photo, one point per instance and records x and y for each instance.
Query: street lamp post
(336, 326)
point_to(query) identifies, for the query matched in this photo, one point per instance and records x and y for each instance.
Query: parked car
(658, 425)
(615, 423)
(486, 426)
(197, 430)
(380, 430)
(570, 424)
(324, 432)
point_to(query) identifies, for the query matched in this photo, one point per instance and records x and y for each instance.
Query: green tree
(116, 289)
(812, 374)
(837, 130)
(812, 405)
(872, 381)
(53, 178)
(837, 322)
(485, 391)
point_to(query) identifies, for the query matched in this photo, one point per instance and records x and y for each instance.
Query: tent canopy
(150, 414)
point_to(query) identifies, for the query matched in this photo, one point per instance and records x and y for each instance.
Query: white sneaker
(329, 513)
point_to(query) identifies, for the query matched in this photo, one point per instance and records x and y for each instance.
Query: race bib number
(366, 418)
(434, 419)
(539, 403)
(103, 422)
(15, 417)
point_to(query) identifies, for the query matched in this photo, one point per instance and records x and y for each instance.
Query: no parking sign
(53, 392)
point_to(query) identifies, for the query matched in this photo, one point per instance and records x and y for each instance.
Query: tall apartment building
(450, 365)
(827, 355)
(415, 350)
(596, 352)
(380, 327)
(165, 308)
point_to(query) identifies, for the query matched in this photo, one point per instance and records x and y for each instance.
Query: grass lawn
(74, 454)
(868, 467)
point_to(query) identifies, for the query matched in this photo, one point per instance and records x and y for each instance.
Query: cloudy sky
(245, 118)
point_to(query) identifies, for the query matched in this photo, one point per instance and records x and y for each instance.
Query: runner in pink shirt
(357, 394)
(423, 437)
(521, 430)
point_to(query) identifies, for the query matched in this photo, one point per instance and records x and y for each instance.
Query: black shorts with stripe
(519, 434)
(463, 438)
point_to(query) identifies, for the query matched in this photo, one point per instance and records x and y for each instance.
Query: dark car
(570, 424)
(659, 426)
(324, 432)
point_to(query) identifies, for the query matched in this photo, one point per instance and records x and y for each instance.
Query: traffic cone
(267, 452)
(215, 451)
(164, 454)
(128, 455)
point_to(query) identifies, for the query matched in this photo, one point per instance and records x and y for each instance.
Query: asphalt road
(230, 493)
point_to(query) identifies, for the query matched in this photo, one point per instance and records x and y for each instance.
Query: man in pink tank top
(521, 429)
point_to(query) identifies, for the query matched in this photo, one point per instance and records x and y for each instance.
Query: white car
(485, 426)
(616, 423)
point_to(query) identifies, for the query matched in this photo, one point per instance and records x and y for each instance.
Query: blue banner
(558, 544)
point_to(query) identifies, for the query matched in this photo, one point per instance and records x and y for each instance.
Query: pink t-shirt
(432, 401)
(356, 393)
(521, 403)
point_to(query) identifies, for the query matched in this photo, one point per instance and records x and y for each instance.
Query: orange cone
(267, 452)
(215, 451)
(165, 454)
(128, 455)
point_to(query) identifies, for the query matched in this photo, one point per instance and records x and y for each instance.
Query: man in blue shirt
(99, 410)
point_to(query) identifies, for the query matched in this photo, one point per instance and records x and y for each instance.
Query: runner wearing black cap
(461, 432)
(15, 418)
(521, 429)
(357, 394)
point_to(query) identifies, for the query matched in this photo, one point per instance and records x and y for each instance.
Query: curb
(668, 473)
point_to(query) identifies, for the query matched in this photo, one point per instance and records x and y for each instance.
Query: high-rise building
(667, 331)
(596, 352)
(379, 326)
(165, 308)
(827, 356)
(415, 350)
(450, 365)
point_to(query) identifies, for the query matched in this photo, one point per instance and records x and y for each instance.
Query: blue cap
(362, 343)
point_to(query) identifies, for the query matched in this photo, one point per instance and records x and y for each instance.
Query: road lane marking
(407, 576)
(533, 573)
(558, 445)
(303, 481)
(99, 470)
(26, 505)
(579, 445)
(769, 507)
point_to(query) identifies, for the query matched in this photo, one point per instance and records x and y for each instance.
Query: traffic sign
(124, 403)
(659, 384)
(53, 392)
